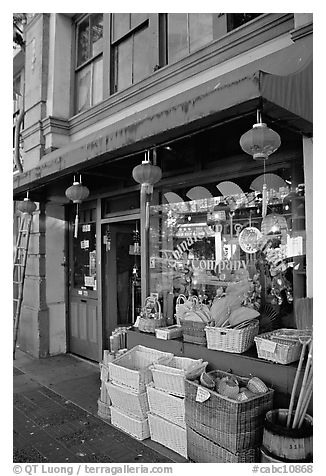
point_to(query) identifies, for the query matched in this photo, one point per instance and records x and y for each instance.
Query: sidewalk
(55, 417)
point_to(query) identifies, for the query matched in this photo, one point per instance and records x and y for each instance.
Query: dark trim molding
(302, 31)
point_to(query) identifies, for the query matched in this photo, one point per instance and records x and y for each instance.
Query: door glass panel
(177, 36)
(141, 62)
(200, 29)
(121, 274)
(84, 252)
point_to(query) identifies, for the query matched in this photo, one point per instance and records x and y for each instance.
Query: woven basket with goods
(235, 340)
(132, 369)
(151, 316)
(282, 345)
(195, 317)
(234, 422)
(203, 450)
(170, 377)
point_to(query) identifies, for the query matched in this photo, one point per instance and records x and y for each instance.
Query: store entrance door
(121, 274)
(84, 327)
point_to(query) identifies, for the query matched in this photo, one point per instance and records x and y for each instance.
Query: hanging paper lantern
(273, 224)
(260, 141)
(27, 206)
(147, 174)
(77, 193)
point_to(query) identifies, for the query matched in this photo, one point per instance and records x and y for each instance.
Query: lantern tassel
(264, 204)
(76, 223)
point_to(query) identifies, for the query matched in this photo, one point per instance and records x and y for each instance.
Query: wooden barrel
(282, 444)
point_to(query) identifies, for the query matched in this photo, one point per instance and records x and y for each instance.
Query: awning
(282, 81)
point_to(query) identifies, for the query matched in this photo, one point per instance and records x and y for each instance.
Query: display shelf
(277, 376)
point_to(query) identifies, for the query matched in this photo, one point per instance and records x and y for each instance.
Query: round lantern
(273, 224)
(27, 206)
(260, 141)
(147, 174)
(77, 193)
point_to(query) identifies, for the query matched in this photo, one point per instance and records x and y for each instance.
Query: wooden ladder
(20, 262)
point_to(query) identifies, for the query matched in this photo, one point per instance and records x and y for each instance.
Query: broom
(305, 392)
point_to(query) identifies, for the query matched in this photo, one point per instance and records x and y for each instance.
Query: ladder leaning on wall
(27, 207)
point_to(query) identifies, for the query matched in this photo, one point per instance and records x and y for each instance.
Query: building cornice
(55, 125)
(302, 31)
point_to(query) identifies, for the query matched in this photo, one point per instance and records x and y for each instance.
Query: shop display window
(201, 244)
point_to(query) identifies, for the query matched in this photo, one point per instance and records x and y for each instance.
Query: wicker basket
(135, 404)
(103, 410)
(104, 396)
(168, 434)
(132, 369)
(232, 340)
(104, 372)
(133, 426)
(149, 325)
(281, 346)
(193, 331)
(231, 424)
(202, 450)
(166, 406)
(170, 377)
(151, 316)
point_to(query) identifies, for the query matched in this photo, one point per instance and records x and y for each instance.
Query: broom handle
(303, 386)
(306, 403)
(295, 384)
(304, 396)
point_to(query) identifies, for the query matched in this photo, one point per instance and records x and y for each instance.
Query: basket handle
(181, 297)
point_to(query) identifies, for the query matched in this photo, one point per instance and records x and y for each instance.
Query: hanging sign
(89, 281)
(86, 228)
(202, 394)
(84, 244)
(249, 239)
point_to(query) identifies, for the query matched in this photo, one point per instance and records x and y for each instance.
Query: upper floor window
(186, 32)
(130, 43)
(89, 62)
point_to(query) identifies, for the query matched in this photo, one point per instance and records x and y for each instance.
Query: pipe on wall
(17, 135)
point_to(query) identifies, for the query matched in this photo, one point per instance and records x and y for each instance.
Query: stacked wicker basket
(129, 375)
(166, 402)
(221, 429)
(104, 402)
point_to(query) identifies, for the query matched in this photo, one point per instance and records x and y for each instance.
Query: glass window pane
(97, 81)
(120, 25)
(137, 18)
(97, 33)
(83, 53)
(124, 64)
(84, 266)
(177, 36)
(200, 29)
(83, 88)
(141, 63)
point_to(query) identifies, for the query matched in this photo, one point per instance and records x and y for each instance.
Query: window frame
(91, 61)
(114, 44)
